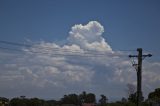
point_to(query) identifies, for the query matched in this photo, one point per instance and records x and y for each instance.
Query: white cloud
(85, 62)
(88, 37)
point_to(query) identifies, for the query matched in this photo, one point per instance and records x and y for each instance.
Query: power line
(15, 44)
(33, 45)
(63, 53)
(46, 49)
(10, 49)
(40, 49)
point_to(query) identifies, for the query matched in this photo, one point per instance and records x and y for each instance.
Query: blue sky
(94, 26)
(128, 23)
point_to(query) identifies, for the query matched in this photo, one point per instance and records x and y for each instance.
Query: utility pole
(138, 68)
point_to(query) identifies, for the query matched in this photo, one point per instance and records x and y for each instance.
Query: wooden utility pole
(139, 73)
(139, 77)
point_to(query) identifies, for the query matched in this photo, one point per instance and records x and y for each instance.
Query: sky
(77, 45)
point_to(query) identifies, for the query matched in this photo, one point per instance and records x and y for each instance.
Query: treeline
(81, 99)
(74, 99)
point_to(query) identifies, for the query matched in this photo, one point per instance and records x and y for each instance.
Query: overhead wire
(14, 43)
(37, 49)
(44, 50)
(30, 45)
(61, 54)
(48, 49)
(10, 49)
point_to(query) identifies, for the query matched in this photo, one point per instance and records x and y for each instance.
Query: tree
(86, 98)
(70, 99)
(51, 103)
(19, 102)
(131, 93)
(26, 102)
(82, 97)
(133, 98)
(155, 96)
(3, 101)
(103, 100)
(36, 102)
(90, 98)
(123, 100)
(131, 89)
(73, 99)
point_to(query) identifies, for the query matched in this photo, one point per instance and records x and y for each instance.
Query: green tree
(90, 98)
(70, 99)
(36, 102)
(103, 100)
(73, 98)
(155, 96)
(124, 100)
(51, 103)
(4, 101)
(82, 97)
(26, 102)
(19, 102)
(133, 98)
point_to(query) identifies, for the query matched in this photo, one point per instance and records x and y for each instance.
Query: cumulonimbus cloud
(89, 36)
(85, 62)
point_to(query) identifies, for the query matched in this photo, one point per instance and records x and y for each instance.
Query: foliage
(124, 100)
(84, 97)
(26, 102)
(103, 101)
(51, 103)
(70, 99)
(90, 98)
(3, 101)
(132, 98)
(121, 104)
(78, 99)
(155, 96)
(131, 89)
